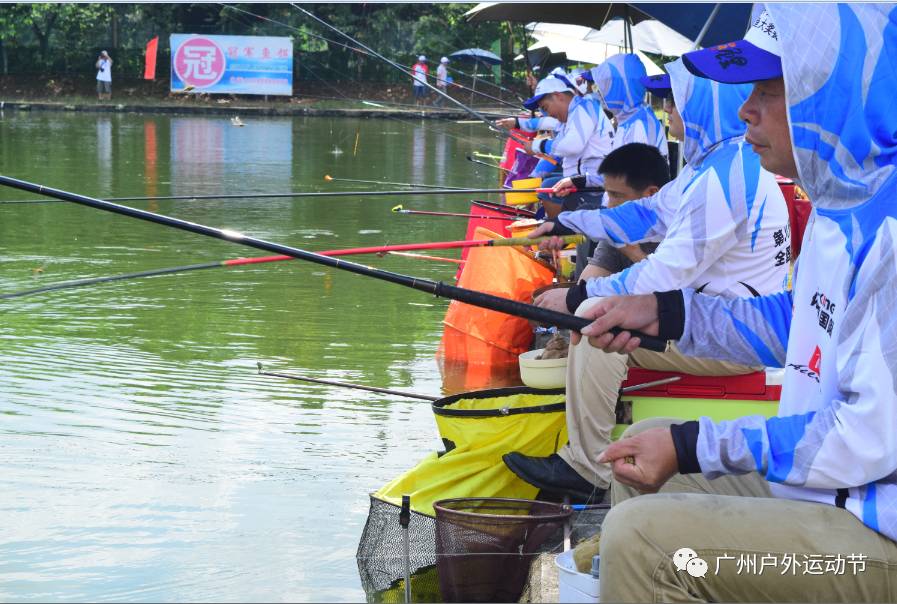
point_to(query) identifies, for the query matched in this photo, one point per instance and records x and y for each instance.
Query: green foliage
(63, 39)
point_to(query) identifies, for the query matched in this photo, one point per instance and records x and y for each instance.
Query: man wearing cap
(420, 70)
(582, 137)
(722, 224)
(442, 80)
(806, 500)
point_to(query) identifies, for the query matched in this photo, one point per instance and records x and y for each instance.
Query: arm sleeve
(609, 258)
(849, 440)
(703, 229)
(535, 124)
(751, 331)
(635, 221)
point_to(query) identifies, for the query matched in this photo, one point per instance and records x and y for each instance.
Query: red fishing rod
(435, 288)
(52, 287)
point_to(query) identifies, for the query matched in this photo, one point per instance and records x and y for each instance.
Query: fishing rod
(329, 178)
(401, 210)
(483, 163)
(192, 267)
(479, 93)
(436, 288)
(425, 257)
(302, 378)
(321, 194)
(472, 112)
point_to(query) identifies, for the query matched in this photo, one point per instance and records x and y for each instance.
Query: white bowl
(574, 586)
(542, 374)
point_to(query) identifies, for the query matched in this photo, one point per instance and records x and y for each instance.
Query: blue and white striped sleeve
(633, 222)
(534, 124)
(849, 439)
(750, 331)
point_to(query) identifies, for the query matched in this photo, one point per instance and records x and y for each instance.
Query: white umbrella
(648, 36)
(590, 52)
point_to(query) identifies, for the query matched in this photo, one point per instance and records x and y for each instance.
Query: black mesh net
(381, 559)
(485, 547)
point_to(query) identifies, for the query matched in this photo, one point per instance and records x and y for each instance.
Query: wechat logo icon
(687, 559)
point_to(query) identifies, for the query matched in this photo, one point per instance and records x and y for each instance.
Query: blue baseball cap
(658, 85)
(547, 86)
(755, 58)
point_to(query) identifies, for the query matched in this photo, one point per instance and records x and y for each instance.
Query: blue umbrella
(689, 19)
(476, 55)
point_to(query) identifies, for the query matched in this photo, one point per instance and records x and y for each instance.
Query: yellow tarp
(472, 467)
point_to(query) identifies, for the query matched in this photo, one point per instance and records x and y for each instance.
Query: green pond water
(143, 458)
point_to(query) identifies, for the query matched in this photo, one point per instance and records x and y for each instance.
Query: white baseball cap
(444, 60)
(547, 86)
(422, 58)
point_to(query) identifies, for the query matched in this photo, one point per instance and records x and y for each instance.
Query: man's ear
(650, 191)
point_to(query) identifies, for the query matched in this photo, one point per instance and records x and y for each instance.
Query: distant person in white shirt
(104, 76)
(442, 80)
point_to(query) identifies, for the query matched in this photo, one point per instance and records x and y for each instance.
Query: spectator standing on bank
(104, 76)
(420, 71)
(442, 80)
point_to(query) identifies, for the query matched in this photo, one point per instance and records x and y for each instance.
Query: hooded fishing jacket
(582, 142)
(722, 223)
(618, 81)
(835, 439)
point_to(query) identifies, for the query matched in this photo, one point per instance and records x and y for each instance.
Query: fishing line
(492, 128)
(360, 51)
(342, 95)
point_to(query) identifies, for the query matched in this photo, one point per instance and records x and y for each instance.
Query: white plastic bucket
(574, 586)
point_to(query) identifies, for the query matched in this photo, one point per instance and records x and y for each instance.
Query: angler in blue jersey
(582, 131)
(816, 484)
(619, 84)
(722, 225)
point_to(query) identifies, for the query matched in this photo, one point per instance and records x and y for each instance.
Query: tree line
(64, 39)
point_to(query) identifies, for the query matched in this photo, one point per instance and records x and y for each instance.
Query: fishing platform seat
(693, 396)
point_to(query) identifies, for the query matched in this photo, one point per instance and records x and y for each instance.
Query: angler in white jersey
(818, 483)
(618, 82)
(722, 225)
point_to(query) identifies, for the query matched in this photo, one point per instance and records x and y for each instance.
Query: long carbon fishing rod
(436, 288)
(321, 194)
(478, 115)
(302, 378)
(329, 178)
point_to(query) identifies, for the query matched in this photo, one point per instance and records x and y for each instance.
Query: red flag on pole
(152, 46)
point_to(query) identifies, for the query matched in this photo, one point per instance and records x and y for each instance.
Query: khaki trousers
(593, 383)
(757, 548)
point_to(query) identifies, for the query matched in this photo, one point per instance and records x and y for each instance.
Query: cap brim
(532, 103)
(659, 86)
(734, 63)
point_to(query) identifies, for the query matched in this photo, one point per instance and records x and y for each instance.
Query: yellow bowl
(542, 374)
(519, 199)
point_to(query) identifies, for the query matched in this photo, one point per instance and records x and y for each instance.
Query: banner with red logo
(231, 64)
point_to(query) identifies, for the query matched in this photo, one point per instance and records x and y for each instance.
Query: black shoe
(553, 475)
